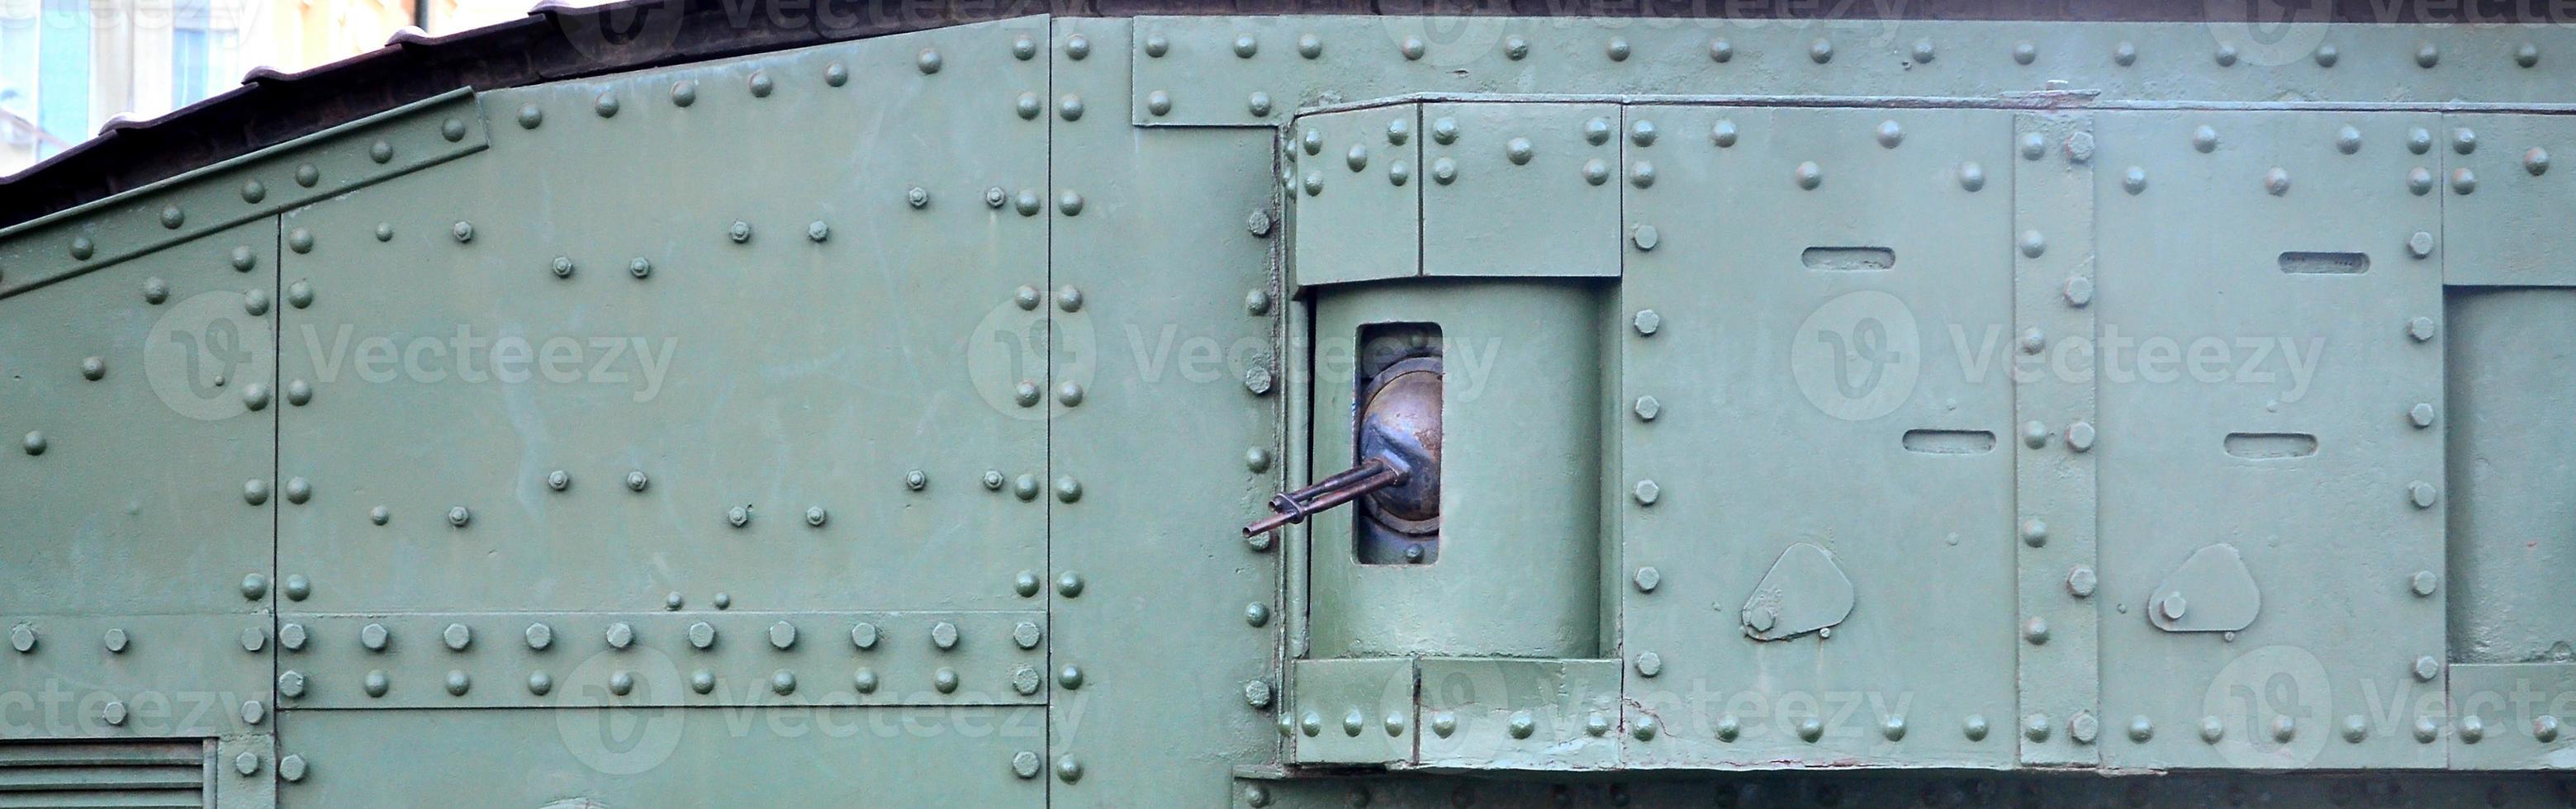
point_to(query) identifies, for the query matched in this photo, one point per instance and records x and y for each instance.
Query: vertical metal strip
(2059, 670)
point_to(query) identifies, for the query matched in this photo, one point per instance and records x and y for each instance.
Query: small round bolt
(2024, 52)
(2081, 581)
(2204, 139)
(1647, 322)
(457, 637)
(1646, 492)
(2424, 583)
(2420, 245)
(815, 516)
(1068, 584)
(1890, 134)
(1972, 176)
(1647, 408)
(2033, 146)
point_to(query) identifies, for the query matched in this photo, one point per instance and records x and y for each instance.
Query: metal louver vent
(139, 773)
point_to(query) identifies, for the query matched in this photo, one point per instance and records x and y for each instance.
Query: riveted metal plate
(1357, 193)
(661, 661)
(1519, 714)
(2053, 483)
(133, 675)
(548, 306)
(1820, 326)
(2255, 386)
(1367, 57)
(217, 197)
(1175, 357)
(152, 367)
(2504, 203)
(1845, 788)
(840, 756)
(1521, 189)
(2512, 716)
(1351, 711)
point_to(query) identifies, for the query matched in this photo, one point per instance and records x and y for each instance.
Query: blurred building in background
(67, 66)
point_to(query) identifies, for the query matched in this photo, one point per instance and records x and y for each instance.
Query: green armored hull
(674, 405)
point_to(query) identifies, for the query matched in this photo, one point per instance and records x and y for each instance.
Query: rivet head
(35, 444)
(1067, 769)
(530, 117)
(2035, 727)
(2426, 731)
(254, 491)
(2134, 180)
(621, 683)
(1923, 51)
(2472, 729)
(1077, 46)
(1974, 727)
(1256, 614)
(1596, 131)
(1521, 725)
(1820, 51)
(298, 587)
(2536, 161)
(782, 681)
(1068, 584)
(2527, 55)
(1309, 46)
(2024, 52)
(605, 105)
(83, 247)
(2124, 54)
(2545, 728)
(1641, 174)
(1245, 46)
(2463, 181)
(1972, 176)
(1067, 489)
(2033, 146)
(2035, 631)
(1357, 158)
(2427, 55)
(1811, 729)
(2355, 728)
(540, 683)
(2141, 730)
(1517, 150)
(1809, 175)
(2079, 291)
(1649, 664)
(1723, 133)
(1617, 50)
(2204, 139)
(2276, 181)
(1025, 487)
(2083, 727)
(306, 175)
(2032, 244)
(377, 683)
(172, 216)
(2422, 329)
(1158, 102)
(928, 61)
(2034, 434)
(1444, 130)
(1647, 322)
(1889, 134)
(2081, 581)
(458, 683)
(2326, 55)
(1070, 677)
(256, 303)
(1413, 48)
(1443, 170)
(864, 680)
(1258, 104)
(1069, 202)
(1648, 407)
(2424, 583)
(2225, 55)
(253, 191)
(1642, 133)
(540, 636)
(299, 295)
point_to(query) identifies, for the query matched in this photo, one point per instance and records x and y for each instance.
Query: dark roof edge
(556, 42)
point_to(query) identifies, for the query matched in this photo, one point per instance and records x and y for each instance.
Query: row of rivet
(253, 192)
(377, 683)
(1821, 51)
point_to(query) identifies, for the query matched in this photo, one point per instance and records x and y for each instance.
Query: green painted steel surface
(869, 424)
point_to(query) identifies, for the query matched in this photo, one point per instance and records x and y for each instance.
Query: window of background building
(62, 71)
(192, 52)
